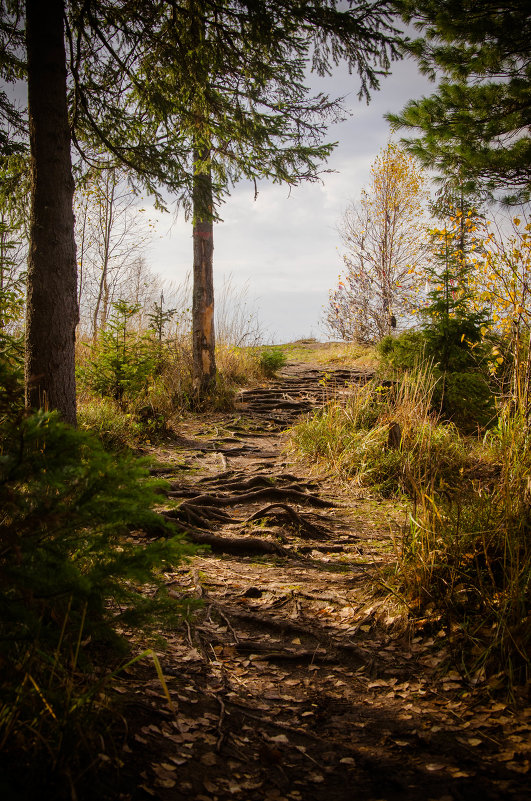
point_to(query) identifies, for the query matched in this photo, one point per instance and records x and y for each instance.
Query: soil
(299, 676)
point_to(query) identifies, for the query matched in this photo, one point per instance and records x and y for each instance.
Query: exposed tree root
(241, 546)
(284, 480)
(325, 548)
(187, 515)
(283, 625)
(220, 477)
(269, 494)
(199, 515)
(179, 490)
(209, 512)
(289, 515)
(268, 651)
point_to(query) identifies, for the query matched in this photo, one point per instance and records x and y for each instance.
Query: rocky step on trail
(297, 678)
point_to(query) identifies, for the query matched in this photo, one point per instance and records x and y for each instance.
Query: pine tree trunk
(204, 363)
(52, 309)
(3, 258)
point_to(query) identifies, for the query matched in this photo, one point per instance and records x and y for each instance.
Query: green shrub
(403, 352)
(71, 578)
(66, 505)
(463, 392)
(271, 360)
(122, 361)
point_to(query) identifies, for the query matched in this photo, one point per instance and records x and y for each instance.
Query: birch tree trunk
(107, 222)
(52, 309)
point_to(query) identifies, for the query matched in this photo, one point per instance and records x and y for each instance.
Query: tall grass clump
(386, 436)
(468, 556)
(464, 558)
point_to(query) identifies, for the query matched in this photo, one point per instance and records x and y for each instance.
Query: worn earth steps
(296, 678)
(297, 391)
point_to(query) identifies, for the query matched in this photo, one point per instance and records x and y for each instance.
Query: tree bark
(52, 308)
(204, 362)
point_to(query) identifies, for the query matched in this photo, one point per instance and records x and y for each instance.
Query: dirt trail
(295, 679)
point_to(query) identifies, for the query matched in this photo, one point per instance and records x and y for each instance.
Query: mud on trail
(296, 679)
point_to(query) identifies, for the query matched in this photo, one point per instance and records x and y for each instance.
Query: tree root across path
(201, 512)
(202, 518)
(269, 494)
(289, 516)
(242, 546)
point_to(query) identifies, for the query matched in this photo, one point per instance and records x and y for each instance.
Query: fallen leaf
(167, 783)
(498, 707)
(506, 756)
(279, 738)
(518, 767)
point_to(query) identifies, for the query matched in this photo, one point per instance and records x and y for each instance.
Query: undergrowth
(468, 556)
(465, 555)
(136, 385)
(72, 577)
(385, 436)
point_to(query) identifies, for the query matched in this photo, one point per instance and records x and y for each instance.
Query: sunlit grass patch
(385, 436)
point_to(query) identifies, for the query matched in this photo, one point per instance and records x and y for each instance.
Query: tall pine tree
(175, 108)
(52, 311)
(452, 331)
(476, 125)
(223, 85)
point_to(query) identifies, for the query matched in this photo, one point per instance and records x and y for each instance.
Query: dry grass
(385, 437)
(339, 354)
(465, 555)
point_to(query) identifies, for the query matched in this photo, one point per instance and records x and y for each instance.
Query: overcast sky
(284, 246)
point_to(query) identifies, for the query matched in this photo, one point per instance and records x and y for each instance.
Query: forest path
(296, 679)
